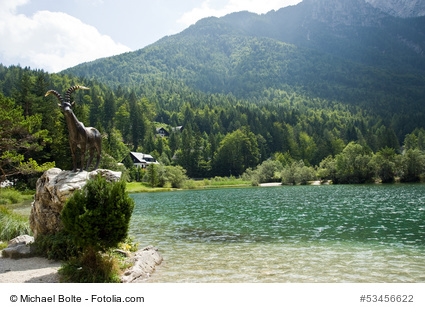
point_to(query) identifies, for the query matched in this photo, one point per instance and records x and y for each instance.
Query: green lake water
(335, 233)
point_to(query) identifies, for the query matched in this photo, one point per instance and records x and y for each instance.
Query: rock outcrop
(53, 188)
(143, 262)
(19, 247)
(400, 8)
(346, 12)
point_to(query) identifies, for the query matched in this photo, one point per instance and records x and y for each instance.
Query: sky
(53, 35)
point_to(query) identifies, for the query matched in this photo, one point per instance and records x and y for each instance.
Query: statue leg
(97, 156)
(83, 154)
(98, 148)
(97, 161)
(74, 158)
(91, 152)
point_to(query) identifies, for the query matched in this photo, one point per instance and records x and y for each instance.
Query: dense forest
(294, 141)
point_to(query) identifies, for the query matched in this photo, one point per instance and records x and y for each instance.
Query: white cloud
(48, 40)
(256, 6)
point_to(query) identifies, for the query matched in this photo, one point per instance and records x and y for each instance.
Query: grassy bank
(216, 182)
(225, 182)
(134, 187)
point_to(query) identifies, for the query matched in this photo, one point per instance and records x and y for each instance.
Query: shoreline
(207, 187)
(36, 269)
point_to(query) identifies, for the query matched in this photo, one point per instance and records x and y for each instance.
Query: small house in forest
(178, 129)
(142, 160)
(161, 131)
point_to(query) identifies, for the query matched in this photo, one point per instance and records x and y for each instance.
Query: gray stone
(144, 263)
(19, 247)
(53, 188)
(23, 239)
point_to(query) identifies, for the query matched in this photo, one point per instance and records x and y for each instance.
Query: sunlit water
(372, 233)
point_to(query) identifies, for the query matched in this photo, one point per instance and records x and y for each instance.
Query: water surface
(367, 233)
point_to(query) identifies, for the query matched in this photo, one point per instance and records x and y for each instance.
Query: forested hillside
(354, 54)
(337, 90)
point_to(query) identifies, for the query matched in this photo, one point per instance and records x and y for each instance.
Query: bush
(384, 165)
(97, 219)
(98, 216)
(353, 165)
(297, 173)
(189, 184)
(58, 246)
(173, 175)
(412, 166)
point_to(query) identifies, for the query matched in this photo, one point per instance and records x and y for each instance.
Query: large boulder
(53, 188)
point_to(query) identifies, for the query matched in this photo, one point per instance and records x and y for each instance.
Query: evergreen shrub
(97, 218)
(57, 246)
(98, 215)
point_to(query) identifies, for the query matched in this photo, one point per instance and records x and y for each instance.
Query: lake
(328, 233)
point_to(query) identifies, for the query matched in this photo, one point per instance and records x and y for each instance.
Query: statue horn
(55, 93)
(71, 90)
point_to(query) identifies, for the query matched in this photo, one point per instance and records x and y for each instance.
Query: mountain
(337, 50)
(400, 8)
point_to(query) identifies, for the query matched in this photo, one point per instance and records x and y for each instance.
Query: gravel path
(29, 270)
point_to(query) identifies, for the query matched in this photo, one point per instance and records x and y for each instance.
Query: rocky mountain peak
(345, 12)
(400, 8)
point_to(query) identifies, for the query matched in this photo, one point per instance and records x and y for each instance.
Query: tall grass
(12, 224)
(91, 267)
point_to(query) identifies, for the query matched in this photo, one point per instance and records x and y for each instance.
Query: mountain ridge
(372, 59)
(302, 23)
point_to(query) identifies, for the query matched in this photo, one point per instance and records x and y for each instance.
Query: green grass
(222, 182)
(91, 267)
(216, 182)
(10, 196)
(12, 224)
(134, 187)
(3, 245)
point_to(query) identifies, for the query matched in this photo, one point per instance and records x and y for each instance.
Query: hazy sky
(57, 34)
